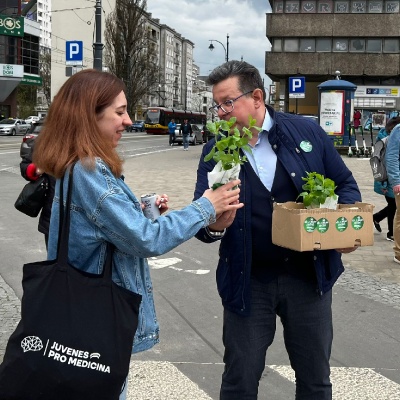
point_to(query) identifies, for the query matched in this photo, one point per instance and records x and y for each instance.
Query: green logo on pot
(357, 222)
(309, 224)
(342, 224)
(322, 225)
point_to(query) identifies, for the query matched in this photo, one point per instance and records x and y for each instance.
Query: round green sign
(342, 224)
(306, 146)
(309, 224)
(322, 225)
(357, 222)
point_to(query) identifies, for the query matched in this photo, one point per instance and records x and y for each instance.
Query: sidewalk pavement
(369, 270)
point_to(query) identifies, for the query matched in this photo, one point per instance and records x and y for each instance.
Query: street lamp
(211, 46)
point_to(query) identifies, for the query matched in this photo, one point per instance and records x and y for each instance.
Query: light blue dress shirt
(263, 158)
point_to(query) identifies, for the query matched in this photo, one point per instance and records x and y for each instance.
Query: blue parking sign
(74, 52)
(297, 86)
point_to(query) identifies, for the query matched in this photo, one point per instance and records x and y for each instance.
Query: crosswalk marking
(163, 380)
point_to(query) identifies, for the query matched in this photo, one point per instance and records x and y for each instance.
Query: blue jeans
(307, 321)
(185, 140)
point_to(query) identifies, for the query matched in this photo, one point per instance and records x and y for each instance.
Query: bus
(157, 119)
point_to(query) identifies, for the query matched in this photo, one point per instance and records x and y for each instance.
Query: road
(187, 364)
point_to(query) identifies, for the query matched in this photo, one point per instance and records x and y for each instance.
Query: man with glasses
(256, 279)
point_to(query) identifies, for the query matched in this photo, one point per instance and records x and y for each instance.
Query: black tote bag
(32, 197)
(75, 336)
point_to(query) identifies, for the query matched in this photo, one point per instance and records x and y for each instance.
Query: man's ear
(258, 98)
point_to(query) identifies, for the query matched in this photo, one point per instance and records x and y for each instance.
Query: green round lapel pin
(306, 146)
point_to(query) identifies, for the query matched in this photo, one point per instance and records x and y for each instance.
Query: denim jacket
(104, 209)
(392, 156)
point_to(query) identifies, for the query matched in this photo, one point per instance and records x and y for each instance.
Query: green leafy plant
(317, 189)
(228, 142)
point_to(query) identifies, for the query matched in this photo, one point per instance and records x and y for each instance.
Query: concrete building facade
(319, 39)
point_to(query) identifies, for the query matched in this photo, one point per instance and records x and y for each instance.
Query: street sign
(297, 87)
(74, 52)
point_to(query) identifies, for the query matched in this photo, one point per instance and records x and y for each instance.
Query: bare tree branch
(130, 51)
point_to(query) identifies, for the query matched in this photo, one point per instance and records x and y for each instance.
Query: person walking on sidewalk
(171, 132)
(186, 130)
(392, 158)
(257, 280)
(384, 188)
(85, 122)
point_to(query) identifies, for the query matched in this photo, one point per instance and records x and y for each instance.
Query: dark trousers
(172, 138)
(388, 212)
(307, 321)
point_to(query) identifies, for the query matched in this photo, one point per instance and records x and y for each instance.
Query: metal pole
(97, 45)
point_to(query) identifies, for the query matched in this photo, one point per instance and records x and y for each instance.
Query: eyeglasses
(227, 106)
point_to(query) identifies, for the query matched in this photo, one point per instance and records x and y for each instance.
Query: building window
(374, 45)
(277, 46)
(392, 6)
(341, 7)
(340, 45)
(325, 6)
(291, 45)
(375, 7)
(390, 45)
(292, 6)
(307, 45)
(357, 45)
(324, 45)
(279, 7)
(358, 7)
(309, 6)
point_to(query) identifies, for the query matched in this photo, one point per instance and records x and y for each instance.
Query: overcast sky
(202, 20)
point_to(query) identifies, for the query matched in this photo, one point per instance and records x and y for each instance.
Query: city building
(19, 52)
(356, 40)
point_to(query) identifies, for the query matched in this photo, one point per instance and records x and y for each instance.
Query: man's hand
(224, 221)
(347, 250)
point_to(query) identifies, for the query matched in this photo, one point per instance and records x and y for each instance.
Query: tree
(130, 50)
(45, 72)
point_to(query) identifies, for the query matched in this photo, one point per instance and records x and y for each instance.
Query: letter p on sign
(74, 52)
(297, 86)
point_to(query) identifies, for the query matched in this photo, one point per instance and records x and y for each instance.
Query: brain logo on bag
(31, 343)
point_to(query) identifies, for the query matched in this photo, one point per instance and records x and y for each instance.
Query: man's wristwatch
(215, 234)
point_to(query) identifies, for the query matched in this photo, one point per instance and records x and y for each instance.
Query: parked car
(137, 126)
(13, 126)
(205, 133)
(31, 119)
(195, 138)
(29, 137)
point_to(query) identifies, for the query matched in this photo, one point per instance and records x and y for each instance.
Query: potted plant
(226, 150)
(319, 192)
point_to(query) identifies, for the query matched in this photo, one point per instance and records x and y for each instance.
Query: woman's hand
(162, 203)
(396, 189)
(225, 198)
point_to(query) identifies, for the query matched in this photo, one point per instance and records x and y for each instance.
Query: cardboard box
(301, 229)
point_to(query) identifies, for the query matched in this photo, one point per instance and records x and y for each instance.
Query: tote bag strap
(64, 225)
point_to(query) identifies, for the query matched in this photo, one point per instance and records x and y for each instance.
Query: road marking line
(353, 383)
(159, 263)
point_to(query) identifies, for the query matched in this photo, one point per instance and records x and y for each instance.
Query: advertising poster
(332, 112)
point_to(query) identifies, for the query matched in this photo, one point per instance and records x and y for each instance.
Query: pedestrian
(30, 172)
(393, 170)
(84, 125)
(257, 280)
(384, 188)
(186, 130)
(171, 132)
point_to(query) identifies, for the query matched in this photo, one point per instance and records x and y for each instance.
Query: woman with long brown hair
(84, 124)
